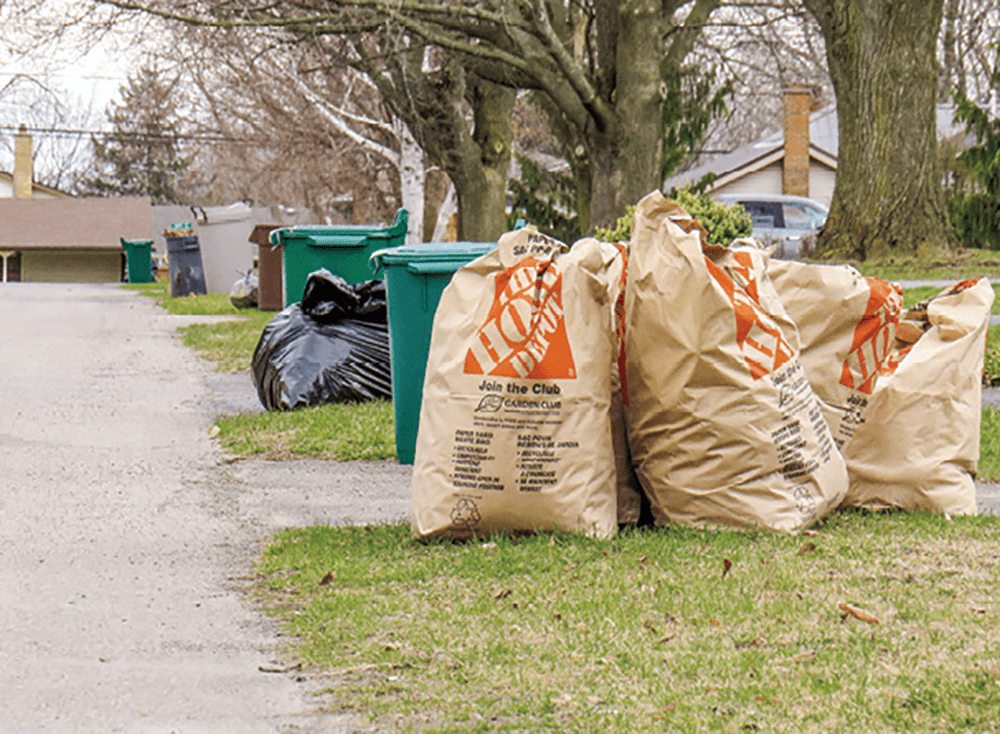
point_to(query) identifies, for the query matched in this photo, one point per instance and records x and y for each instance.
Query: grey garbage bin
(187, 276)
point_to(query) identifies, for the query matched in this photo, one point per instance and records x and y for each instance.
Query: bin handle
(431, 268)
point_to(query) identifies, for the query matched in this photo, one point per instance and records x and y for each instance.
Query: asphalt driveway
(127, 539)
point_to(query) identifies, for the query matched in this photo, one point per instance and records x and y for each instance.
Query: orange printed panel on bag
(874, 339)
(763, 345)
(525, 331)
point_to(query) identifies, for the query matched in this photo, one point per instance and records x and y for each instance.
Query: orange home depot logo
(763, 345)
(525, 331)
(874, 339)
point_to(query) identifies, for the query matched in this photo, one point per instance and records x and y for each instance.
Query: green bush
(544, 199)
(722, 223)
(976, 215)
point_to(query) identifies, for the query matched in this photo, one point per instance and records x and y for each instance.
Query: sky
(84, 85)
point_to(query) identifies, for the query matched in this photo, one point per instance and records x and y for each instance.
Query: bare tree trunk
(888, 198)
(476, 158)
(628, 164)
(481, 186)
(447, 208)
(412, 181)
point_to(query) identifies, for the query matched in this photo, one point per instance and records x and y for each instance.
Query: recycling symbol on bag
(465, 514)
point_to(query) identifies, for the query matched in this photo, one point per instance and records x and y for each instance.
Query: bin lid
(322, 236)
(136, 243)
(309, 231)
(437, 255)
(331, 240)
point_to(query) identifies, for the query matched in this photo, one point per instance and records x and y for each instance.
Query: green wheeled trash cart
(415, 277)
(344, 250)
(139, 256)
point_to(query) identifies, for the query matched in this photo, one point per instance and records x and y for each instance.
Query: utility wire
(46, 75)
(56, 132)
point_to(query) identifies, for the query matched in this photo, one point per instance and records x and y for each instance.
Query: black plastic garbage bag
(243, 294)
(333, 347)
(329, 298)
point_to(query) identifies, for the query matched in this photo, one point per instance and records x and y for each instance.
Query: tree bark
(412, 181)
(481, 187)
(476, 158)
(626, 153)
(888, 198)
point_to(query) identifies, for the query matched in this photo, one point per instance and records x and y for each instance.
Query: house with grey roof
(48, 236)
(799, 159)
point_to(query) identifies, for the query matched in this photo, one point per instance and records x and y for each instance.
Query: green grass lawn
(646, 632)
(642, 632)
(334, 431)
(961, 265)
(912, 296)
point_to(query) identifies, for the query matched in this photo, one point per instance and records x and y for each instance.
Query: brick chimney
(22, 163)
(795, 171)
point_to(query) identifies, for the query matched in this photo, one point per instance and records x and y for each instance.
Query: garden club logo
(524, 335)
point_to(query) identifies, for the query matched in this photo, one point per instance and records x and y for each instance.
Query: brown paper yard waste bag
(514, 429)
(723, 425)
(846, 327)
(918, 444)
(628, 491)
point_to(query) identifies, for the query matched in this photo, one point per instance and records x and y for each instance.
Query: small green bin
(344, 250)
(139, 256)
(415, 277)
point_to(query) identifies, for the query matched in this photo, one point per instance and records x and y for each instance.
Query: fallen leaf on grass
(327, 578)
(857, 613)
(666, 638)
(715, 622)
(726, 565)
(807, 548)
(666, 709)
(502, 594)
(807, 656)
(756, 642)
(214, 431)
(278, 668)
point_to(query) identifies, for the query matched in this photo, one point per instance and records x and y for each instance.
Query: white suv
(789, 223)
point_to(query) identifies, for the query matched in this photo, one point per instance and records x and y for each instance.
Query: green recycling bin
(138, 255)
(344, 250)
(415, 277)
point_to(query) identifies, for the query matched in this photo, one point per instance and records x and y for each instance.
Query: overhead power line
(62, 75)
(57, 132)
